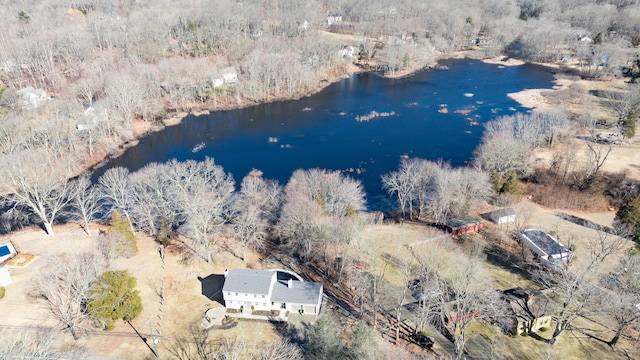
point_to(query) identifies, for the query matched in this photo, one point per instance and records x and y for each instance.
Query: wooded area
(78, 78)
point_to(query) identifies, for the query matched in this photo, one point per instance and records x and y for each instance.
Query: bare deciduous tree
(41, 191)
(623, 101)
(64, 286)
(300, 224)
(437, 189)
(574, 294)
(35, 344)
(203, 191)
(466, 296)
(599, 155)
(196, 344)
(256, 207)
(314, 201)
(501, 153)
(85, 201)
(116, 190)
(152, 197)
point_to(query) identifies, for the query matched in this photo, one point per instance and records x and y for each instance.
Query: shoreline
(530, 98)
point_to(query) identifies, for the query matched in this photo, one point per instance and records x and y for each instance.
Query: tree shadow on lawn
(506, 261)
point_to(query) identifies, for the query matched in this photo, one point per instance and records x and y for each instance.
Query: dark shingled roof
(545, 242)
(462, 222)
(496, 214)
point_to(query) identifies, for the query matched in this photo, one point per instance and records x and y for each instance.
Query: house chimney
(226, 272)
(290, 283)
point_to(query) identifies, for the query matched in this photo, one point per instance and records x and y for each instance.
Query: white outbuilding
(503, 216)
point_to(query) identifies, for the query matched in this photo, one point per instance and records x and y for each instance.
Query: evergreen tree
(511, 184)
(323, 341)
(123, 228)
(362, 343)
(629, 123)
(114, 297)
(629, 214)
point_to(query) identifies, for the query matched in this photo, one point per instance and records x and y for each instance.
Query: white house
(225, 76)
(229, 75)
(250, 290)
(503, 216)
(31, 98)
(347, 51)
(5, 277)
(92, 116)
(333, 18)
(550, 251)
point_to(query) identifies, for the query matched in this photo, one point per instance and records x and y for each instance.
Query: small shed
(463, 224)
(502, 216)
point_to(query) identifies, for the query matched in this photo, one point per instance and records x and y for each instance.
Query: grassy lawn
(387, 244)
(487, 341)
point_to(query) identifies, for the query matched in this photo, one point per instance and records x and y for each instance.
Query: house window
(236, 294)
(255, 295)
(263, 296)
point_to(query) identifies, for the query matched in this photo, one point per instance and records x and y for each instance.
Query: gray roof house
(261, 290)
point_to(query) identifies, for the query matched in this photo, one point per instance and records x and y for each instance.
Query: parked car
(423, 340)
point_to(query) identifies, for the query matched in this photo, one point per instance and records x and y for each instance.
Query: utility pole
(153, 338)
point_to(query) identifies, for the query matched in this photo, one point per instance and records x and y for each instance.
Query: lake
(434, 114)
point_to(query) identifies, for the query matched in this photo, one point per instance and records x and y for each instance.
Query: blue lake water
(321, 130)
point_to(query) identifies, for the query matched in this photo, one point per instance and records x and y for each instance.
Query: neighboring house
(217, 82)
(225, 76)
(527, 310)
(92, 116)
(260, 290)
(304, 26)
(463, 225)
(347, 51)
(229, 75)
(31, 98)
(550, 251)
(502, 216)
(333, 18)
